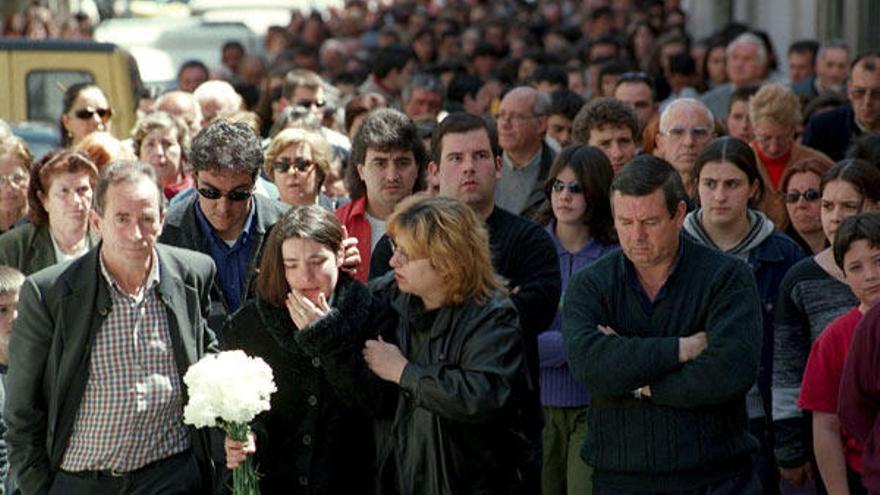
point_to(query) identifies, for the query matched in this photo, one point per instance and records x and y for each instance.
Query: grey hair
(542, 103)
(125, 171)
(681, 102)
(752, 39)
(225, 145)
(425, 81)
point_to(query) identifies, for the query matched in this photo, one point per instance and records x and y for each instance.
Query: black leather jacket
(454, 425)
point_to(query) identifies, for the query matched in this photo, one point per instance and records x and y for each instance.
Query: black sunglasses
(810, 195)
(574, 187)
(311, 103)
(299, 164)
(89, 112)
(211, 193)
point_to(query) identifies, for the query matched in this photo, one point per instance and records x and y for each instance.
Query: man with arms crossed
(666, 335)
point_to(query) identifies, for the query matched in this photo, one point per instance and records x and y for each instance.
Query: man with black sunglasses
(225, 220)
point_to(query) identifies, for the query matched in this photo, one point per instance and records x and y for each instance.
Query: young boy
(838, 453)
(10, 283)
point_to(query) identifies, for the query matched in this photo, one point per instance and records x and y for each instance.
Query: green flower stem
(244, 477)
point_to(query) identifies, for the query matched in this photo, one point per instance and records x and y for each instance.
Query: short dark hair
(463, 84)
(384, 129)
(551, 73)
(59, 161)
(424, 81)
(193, 64)
(805, 46)
(460, 123)
(861, 227)
(737, 152)
(300, 77)
(645, 174)
(232, 45)
(742, 93)
(594, 175)
(310, 222)
(866, 147)
(225, 145)
(565, 102)
(602, 112)
(682, 64)
(389, 58)
(125, 171)
(863, 176)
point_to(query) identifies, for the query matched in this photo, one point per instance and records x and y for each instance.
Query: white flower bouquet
(227, 390)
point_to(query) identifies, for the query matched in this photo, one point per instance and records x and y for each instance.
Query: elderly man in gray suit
(98, 353)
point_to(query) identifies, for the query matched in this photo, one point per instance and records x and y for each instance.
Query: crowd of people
(486, 248)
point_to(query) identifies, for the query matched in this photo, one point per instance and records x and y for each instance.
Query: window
(45, 91)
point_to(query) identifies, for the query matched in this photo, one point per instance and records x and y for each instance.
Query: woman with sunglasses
(578, 218)
(729, 187)
(15, 166)
(445, 380)
(162, 140)
(85, 108)
(60, 197)
(813, 293)
(800, 187)
(312, 440)
(297, 161)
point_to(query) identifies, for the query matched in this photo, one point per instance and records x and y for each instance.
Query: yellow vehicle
(35, 73)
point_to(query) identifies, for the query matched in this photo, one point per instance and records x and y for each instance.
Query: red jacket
(354, 217)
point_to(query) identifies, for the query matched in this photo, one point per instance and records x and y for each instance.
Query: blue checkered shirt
(132, 409)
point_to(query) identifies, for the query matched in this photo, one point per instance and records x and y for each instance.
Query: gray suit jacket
(61, 310)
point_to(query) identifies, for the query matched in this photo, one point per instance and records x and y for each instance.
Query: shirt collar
(151, 282)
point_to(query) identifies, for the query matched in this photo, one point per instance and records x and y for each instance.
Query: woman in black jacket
(310, 441)
(446, 381)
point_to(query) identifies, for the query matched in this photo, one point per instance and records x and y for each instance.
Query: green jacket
(29, 248)
(693, 431)
(61, 310)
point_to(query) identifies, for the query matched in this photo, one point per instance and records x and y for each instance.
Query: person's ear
(95, 221)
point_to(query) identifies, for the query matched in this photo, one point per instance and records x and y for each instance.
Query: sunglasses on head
(89, 113)
(573, 187)
(299, 164)
(211, 193)
(809, 195)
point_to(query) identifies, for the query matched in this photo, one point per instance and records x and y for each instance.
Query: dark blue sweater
(693, 430)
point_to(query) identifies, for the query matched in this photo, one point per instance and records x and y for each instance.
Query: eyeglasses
(13, 179)
(857, 93)
(212, 193)
(573, 187)
(311, 103)
(810, 195)
(89, 113)
(695, 132)
(396, 250)
(299, 164)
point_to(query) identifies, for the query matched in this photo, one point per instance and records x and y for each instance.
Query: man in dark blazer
(98, 354)
(225, 219)
(833, 131)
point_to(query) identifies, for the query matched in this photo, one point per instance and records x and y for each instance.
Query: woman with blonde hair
(775, 114)
(297, 161)
(447, 380)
